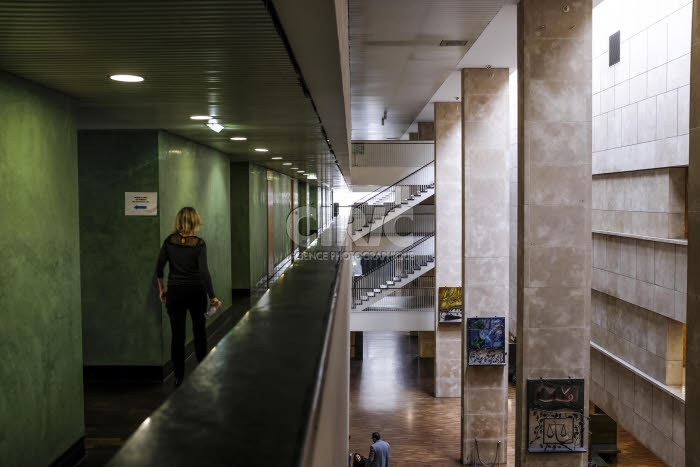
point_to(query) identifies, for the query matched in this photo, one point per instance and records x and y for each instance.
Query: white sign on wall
(140, 203)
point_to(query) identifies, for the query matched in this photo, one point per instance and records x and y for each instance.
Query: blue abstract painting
(486, 341)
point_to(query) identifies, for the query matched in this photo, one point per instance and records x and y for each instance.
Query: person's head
(187, 221)
(358, 457)
(376, 436)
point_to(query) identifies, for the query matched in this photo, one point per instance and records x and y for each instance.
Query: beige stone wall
(513, 169)
(448, 241)
(644, 339)
(649, 274)
(647, 202)
(486, 245)
(652, 415)
(641, 105)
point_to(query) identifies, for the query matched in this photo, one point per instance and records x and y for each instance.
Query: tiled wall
(646, 202)
(641, 105)
(645, 339)
(648, 274)
(653, 416)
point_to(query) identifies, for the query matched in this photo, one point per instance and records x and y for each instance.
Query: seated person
(358, 460)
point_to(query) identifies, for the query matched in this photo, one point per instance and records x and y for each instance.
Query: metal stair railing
(380, 203)
(394, 270)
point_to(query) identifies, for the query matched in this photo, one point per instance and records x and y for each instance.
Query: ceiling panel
(396, 63)
(224, 59)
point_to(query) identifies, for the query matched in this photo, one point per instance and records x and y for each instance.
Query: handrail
(364, 201)
(395, 256)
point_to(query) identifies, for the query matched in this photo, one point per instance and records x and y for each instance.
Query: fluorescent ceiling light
(200, 117)
(215, 125)
(239, 138)
(311, 176)
(300, 171)
(127, 78)
(261, 150)
(295, 168)
(277, 158)
(286, 163)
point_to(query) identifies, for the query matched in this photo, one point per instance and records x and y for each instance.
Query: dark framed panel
(556, 420)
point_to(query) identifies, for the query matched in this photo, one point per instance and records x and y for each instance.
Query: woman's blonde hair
(187, 221)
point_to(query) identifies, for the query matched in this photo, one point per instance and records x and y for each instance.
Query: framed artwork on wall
(450, 304)
(555, 415)
(486, 341)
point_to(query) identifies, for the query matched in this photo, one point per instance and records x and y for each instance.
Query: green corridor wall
(258, 224)
(41, 400)
(121, 311)
(240, 227)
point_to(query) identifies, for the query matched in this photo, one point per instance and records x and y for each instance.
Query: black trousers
(178, 301)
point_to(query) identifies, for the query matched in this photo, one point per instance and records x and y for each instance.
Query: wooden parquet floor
(391, 391)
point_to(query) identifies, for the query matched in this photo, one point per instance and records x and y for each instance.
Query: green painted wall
(240, 225)
(315, 219)
(121, 310)
(194, 175)
(281, 210)
(258, 224)
(303, 203)
(41, 395)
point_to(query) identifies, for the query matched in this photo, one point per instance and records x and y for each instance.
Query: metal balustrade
(376, 206)
(390, 273)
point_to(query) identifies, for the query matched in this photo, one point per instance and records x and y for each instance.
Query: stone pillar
(692, 369)
(448, 242)
(426, 131)
(485, 152)
(554, 207)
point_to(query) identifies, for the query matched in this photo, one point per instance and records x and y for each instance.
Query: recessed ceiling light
(215, 125)
(127, 78)
(300, 171)
(261, 150)
(200, 117)
(277, 158)
(239, 138)
(295, 168)
(286, 163)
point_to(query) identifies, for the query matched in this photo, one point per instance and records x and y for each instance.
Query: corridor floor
(391, 392)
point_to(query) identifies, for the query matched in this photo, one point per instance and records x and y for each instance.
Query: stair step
(377, 290)
(383, 286)
(364, 298)
(370, 294)
(388, 283)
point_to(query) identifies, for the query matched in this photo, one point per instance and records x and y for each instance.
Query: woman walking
(189, 283)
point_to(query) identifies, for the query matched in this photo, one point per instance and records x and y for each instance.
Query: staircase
(394, 273)
(388, 204)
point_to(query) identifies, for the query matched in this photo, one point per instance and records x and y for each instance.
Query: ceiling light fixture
(300, 171)
(286, 163)
(239, 138)
(277, 158)
(200, 117)
(261, 150)
(126, 78)
(294, 168)
(215, 125)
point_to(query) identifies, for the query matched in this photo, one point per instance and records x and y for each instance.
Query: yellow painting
(450, 304)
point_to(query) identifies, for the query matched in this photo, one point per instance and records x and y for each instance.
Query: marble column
(448, 242)
(486, 245)
(692, 369)
(554, 207)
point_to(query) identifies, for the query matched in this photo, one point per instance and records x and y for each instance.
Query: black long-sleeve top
(188, 262)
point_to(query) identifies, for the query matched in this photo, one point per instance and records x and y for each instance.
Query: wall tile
(645, 261)
(679, 26)
(638, 87)
(664, 265)
(629, 125)
(613, 254)
(642, 398)
(656, 80)
(667, 114)
(615, 129)
(607, 100)
(662, 412)
(681, 275)
(595, 104)
(657, 52)
(607, 73)
(646, 122)
(622, 69)
(678, 72)
(600, 132)
(638, 54)
(622, 94)
(683, 110)
(628, 257)
(679, 423)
